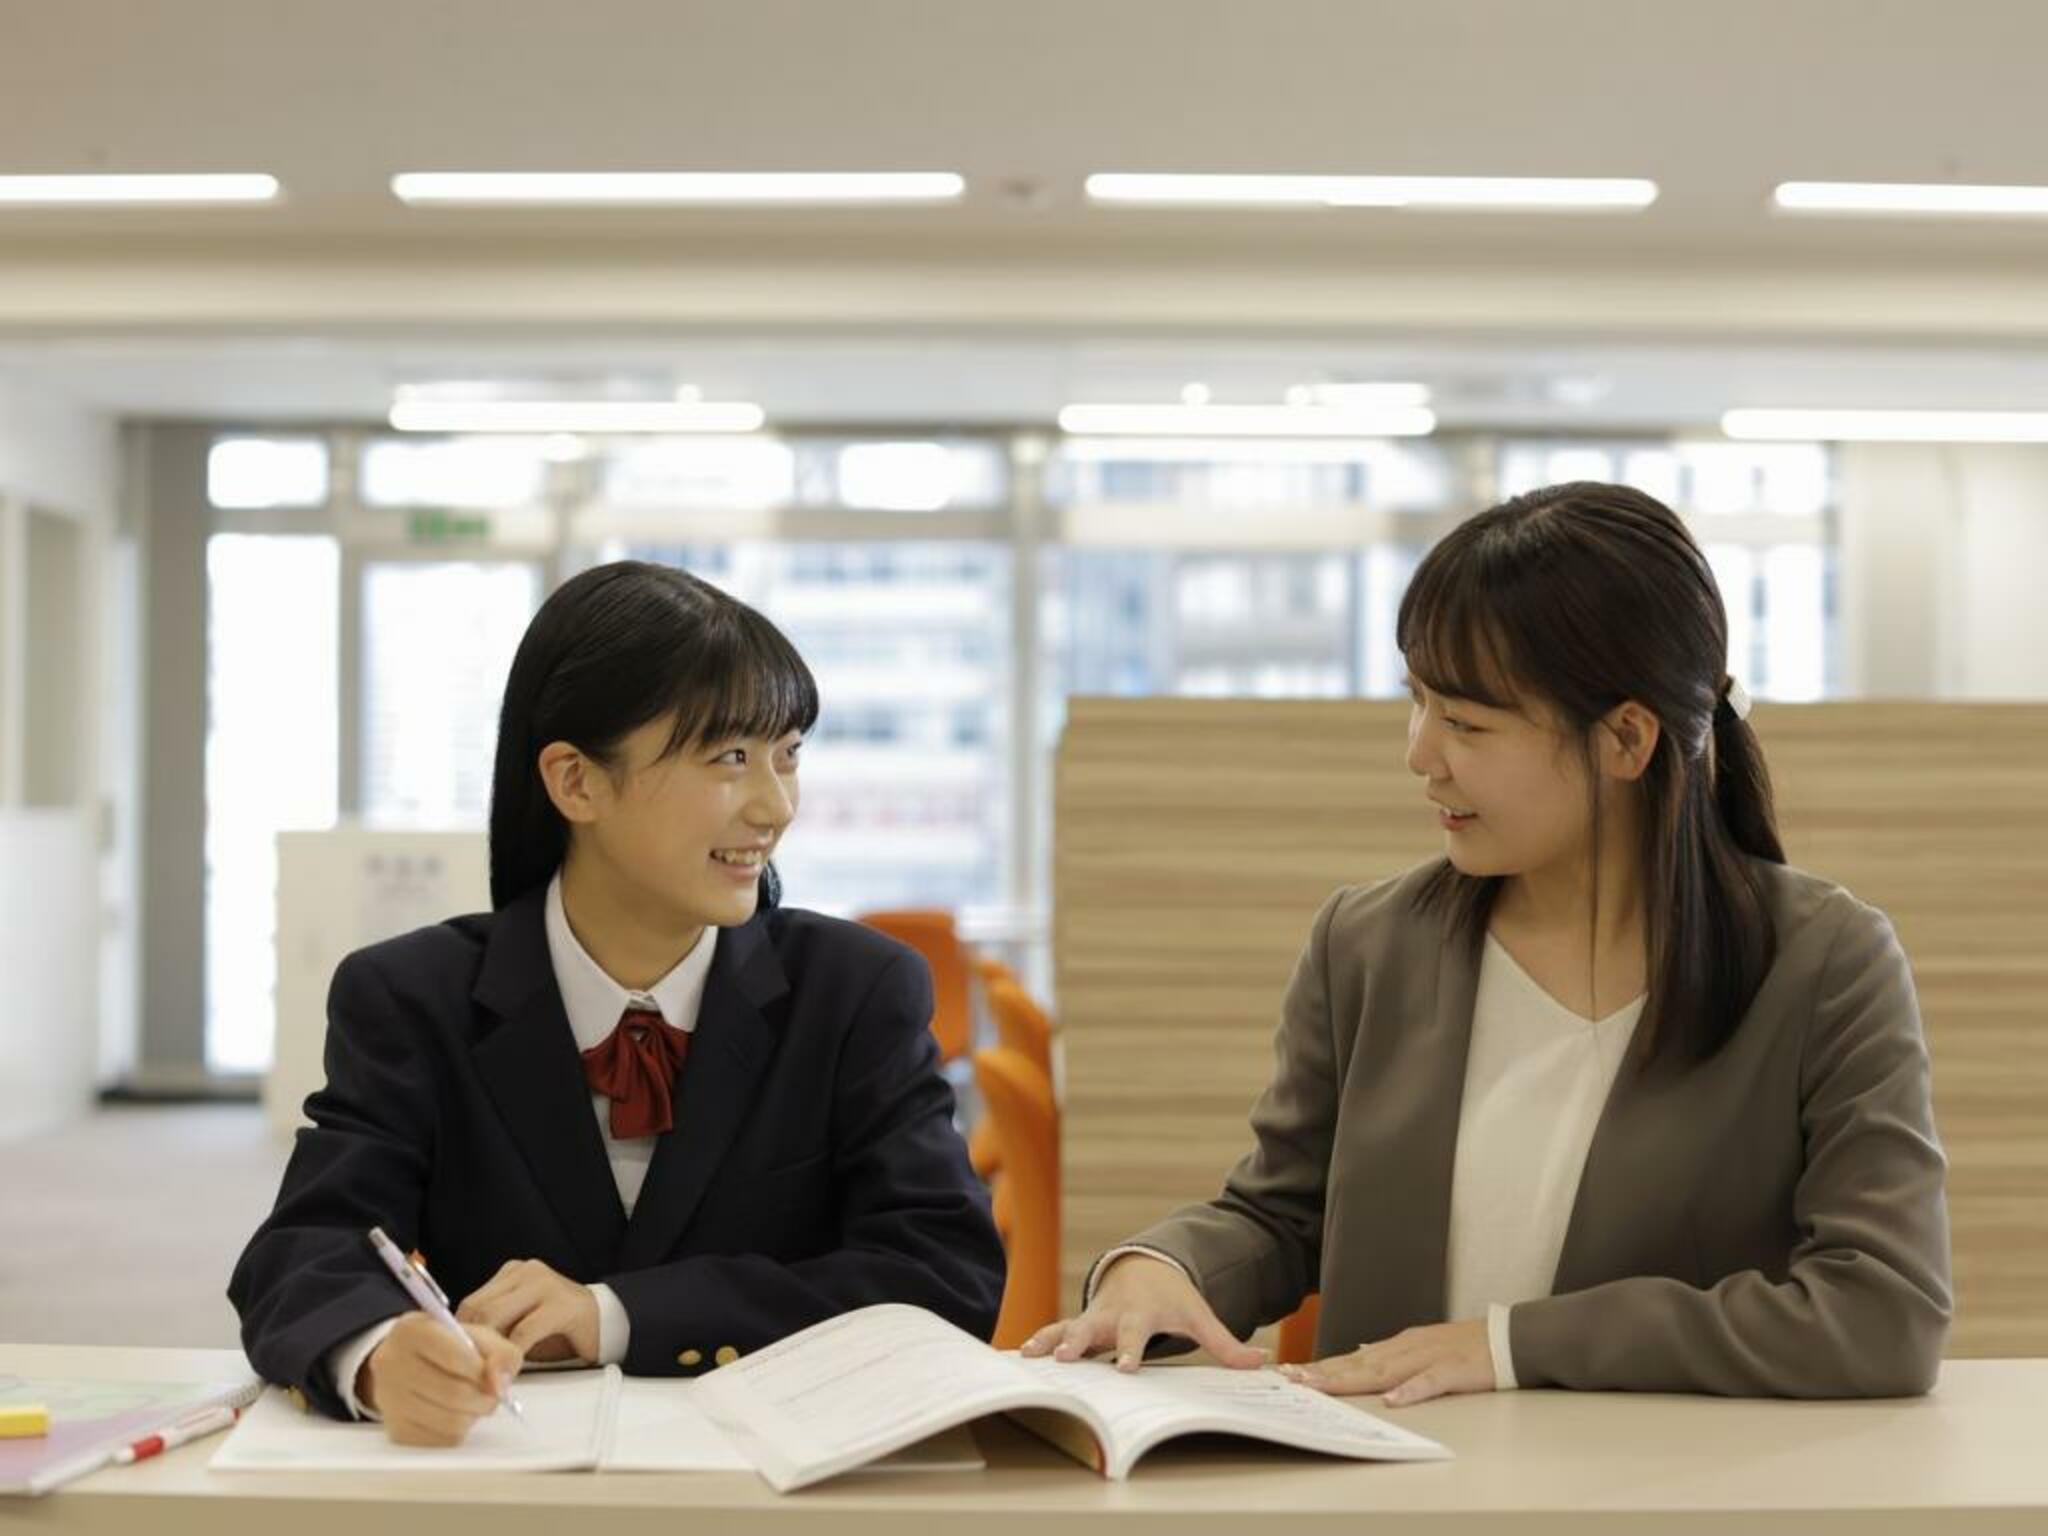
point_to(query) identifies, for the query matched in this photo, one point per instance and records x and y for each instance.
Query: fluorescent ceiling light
(1531, 193)
(1857, 426)
(596, 416)
(1245, 421)
(677, 187)
(56, 191)
(1904, 197)
(1361, 396)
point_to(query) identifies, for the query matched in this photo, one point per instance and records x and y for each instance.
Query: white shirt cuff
(345, 1361)
(614, 1328)
(1095, 1271)
(1497, 1343)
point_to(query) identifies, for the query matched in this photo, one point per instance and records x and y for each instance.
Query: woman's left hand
(546, 1314)
(1413, 1366)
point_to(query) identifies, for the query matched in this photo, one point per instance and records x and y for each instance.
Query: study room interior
(1079, 390)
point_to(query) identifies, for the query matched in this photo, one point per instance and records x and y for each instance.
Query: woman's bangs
(1451, 646)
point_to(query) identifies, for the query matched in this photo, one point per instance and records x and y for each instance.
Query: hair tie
(1736, 697)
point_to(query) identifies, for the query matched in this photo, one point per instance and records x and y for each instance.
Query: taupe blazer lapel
(1405, 1100)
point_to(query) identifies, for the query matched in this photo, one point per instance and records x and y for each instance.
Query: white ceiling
(1021, 298)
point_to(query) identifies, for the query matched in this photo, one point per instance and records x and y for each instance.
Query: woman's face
(683, 837)
(1514, 776)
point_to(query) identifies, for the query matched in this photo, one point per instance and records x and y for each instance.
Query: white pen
(430, 1299)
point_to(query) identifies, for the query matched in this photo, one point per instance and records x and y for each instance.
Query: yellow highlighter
(23, 1421)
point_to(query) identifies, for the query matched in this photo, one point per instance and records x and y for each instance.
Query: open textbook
(860, 1386)
(888, 1387)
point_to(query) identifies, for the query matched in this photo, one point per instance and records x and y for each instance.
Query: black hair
(1587, 595)
(611, 650)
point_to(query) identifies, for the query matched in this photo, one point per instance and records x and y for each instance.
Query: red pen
(212, 1421)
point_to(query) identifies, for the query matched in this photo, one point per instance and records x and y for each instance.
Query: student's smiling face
(1512, 769)
(683, 835)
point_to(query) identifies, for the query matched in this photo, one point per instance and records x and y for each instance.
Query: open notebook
(576, 1421)
(870, 1389)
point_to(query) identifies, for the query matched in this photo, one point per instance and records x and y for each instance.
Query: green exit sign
(437, 527)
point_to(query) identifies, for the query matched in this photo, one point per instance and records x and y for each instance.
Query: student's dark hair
(1583, 596)
(611, 650)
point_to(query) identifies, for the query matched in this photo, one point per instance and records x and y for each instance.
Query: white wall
(62, 461)
(1944, 554)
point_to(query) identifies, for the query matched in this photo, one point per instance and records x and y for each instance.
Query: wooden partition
(1194, 840)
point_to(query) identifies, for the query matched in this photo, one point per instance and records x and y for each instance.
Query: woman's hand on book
(426, 1384)
(1413, 1366)
(1139, 1298)
(545, 1314)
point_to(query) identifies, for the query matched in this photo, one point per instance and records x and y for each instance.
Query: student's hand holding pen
(428, 1386)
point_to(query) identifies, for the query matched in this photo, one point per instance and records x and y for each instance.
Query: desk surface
(1973, 1455)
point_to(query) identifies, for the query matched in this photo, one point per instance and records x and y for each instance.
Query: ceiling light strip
(108, 191)
(1917, 199)
(593, 416)
(675, 188)
(1245, 421)
(1535, 194)
(1869, 426)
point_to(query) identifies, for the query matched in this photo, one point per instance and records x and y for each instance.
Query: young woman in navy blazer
(806, 1163)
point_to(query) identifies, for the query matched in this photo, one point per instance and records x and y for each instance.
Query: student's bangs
(740, 679)
(1449, 629)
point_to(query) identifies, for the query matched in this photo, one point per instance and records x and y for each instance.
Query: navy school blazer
(814, 1167)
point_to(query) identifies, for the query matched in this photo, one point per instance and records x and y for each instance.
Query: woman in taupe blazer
(1609, 1097)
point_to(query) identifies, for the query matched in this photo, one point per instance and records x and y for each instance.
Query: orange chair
(931, 933)
(1296, 1344)
(984, 1152)
(1019, 1100)
(1021, 1025)
(992, 970)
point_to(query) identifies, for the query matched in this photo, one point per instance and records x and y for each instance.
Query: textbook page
(857, 1387)
(1136, 1412)
(568, 1423)
(660, 1427)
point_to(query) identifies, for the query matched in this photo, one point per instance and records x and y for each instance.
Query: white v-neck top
(1536, 1081)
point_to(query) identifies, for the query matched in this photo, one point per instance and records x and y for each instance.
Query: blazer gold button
(297, 1399)
(726, 1355)
(690, 1357)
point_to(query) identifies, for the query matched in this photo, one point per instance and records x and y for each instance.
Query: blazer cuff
(614, 1327)
(346, 1360)
(1095, 1270)
(1501, 1347)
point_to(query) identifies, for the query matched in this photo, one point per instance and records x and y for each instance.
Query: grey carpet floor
(121, 1227)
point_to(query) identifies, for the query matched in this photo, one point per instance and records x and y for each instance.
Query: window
(272, 650)
(438, 639)
(256, 472)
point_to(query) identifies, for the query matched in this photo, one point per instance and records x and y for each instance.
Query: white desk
(1971, 1458)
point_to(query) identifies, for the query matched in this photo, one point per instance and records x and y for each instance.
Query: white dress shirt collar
(594, 1001)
